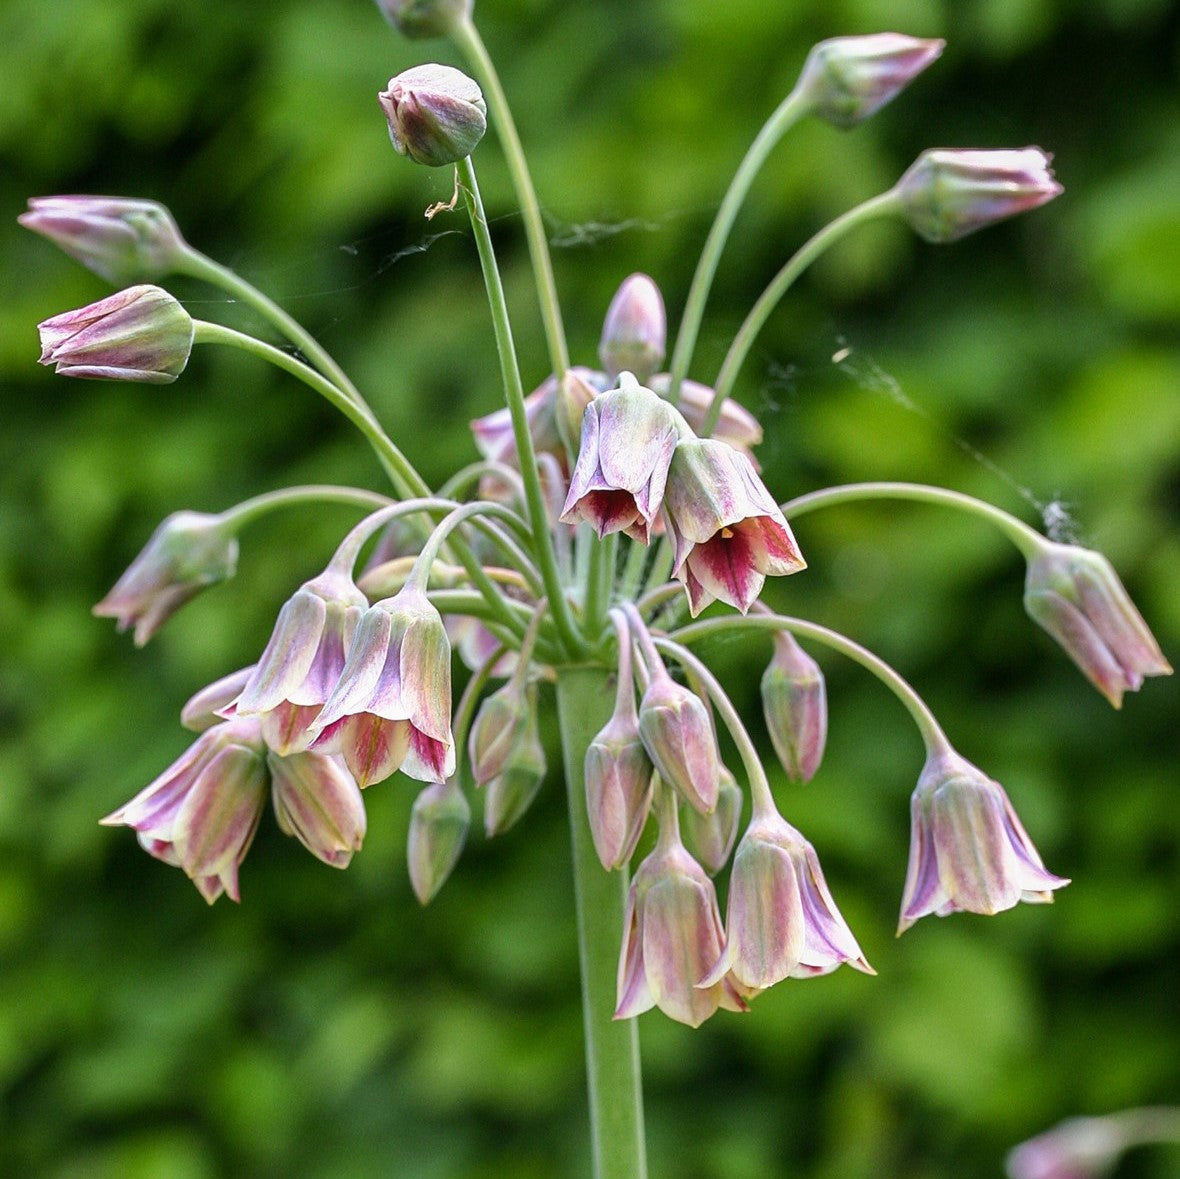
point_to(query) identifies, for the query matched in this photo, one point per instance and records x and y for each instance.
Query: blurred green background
(329, 1026)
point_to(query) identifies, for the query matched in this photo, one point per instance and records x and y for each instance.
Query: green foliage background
(331, 1027)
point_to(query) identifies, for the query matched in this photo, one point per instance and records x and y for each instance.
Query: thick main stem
(584, 701)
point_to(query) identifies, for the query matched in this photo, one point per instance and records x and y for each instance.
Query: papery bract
(318, 801)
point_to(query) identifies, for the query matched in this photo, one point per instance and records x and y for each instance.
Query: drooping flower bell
(187, 552)
(795, 705)
(968, 850)
(634, 333)
(1076, 595)
(318, 801)
(436, 114)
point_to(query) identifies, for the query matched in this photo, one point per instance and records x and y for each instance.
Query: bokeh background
(329, 1026)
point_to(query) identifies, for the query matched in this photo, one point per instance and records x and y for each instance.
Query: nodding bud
(511, 792)
(795, 706)
(436, 114)
(500, 725)
(678, 736)
(948, 193)
(318, 801)
(710, 838)
(634, 333)
(847, 79)
(120, 239)
(439, 821)
(419, 19)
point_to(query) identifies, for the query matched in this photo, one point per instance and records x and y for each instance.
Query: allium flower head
(141, 334)
(186, 553)
(121, 240)
(634, 333)
(795, 705)
(968, 850)
(436, 114)
(1076, 595)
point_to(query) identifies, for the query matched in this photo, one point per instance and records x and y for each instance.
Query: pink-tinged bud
(121, 240)
(391, 708)
(671, 936)
(634, 333)
(710, 838)
(1076, 595)
(201, 813)
(948, 193)
(501, 723)
(727, 531)
(968, 850)
(140, 334)
(618, 776)
(1078, 1148)
(781, 921)
(186, 553)
(678, 736)
(436, 114)
(303, 661)
(318, 801)
(511, 792)
(847, 79)
(628, 436)
(795, 706)
(439, 821)
(736, 425)
(574, 394)
(418, 19)
(213, 704)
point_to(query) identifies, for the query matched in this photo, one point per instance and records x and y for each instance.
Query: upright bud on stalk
(418, 19)
(439, 821)
(141, 334)
(847, 79)
(1078, 598)
(710, 838)
(634, 333)
(948, 193)
(795, 706)
(186, 553)
(121, 240)
(436, 114)
(675, 729)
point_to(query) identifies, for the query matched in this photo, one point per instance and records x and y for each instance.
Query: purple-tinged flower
(318, 801)
(201, 813)
(303, 661)
(511, 792)
(1077, 1148)
(735, 425)
(439, 820)
(678, 736)
(418, 19)
(214, 703)
(1076, 595)
(710, 838)
(948, 193)
(501, 723)
(672, 935)
(121, 240)
(727, 531)
(186, 553)
(628, 436)
(968, 850)
(391, 708)
(140, 334)
(847, 79)
(781, 921)
(795, 706)
(436, 114)
(634, 333)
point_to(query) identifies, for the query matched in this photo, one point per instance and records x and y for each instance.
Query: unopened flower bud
(847, 79)
(439, 821)
(634, 333)
(795, 706)
(511, 792)
(574, 394)
(1076, 595)
(500, 724)
(141, 334)
(618, 787)
(949, 193)
(121, 240)
(186, 553)
(678, 737)
(436, 114)
(710, 838)
(318, 801)
(418, 19)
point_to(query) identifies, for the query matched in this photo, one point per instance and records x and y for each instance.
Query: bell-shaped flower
(439, 821)
(635, 331)
(1076, 595)
(418, 19)
(948, 193)
(968, 850)
(214, 703)
(391, 708)
(120, 239)
(847, 79)
(735, 424)
(141, 334)
(201, 813)
(628, 436)
(186, 553)
(795, 705)
(511, 792)
(781, 921)
(318, 801)
(436, 114)
(710, 838)
(726, 529)
(675, 729)
(304, 659)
